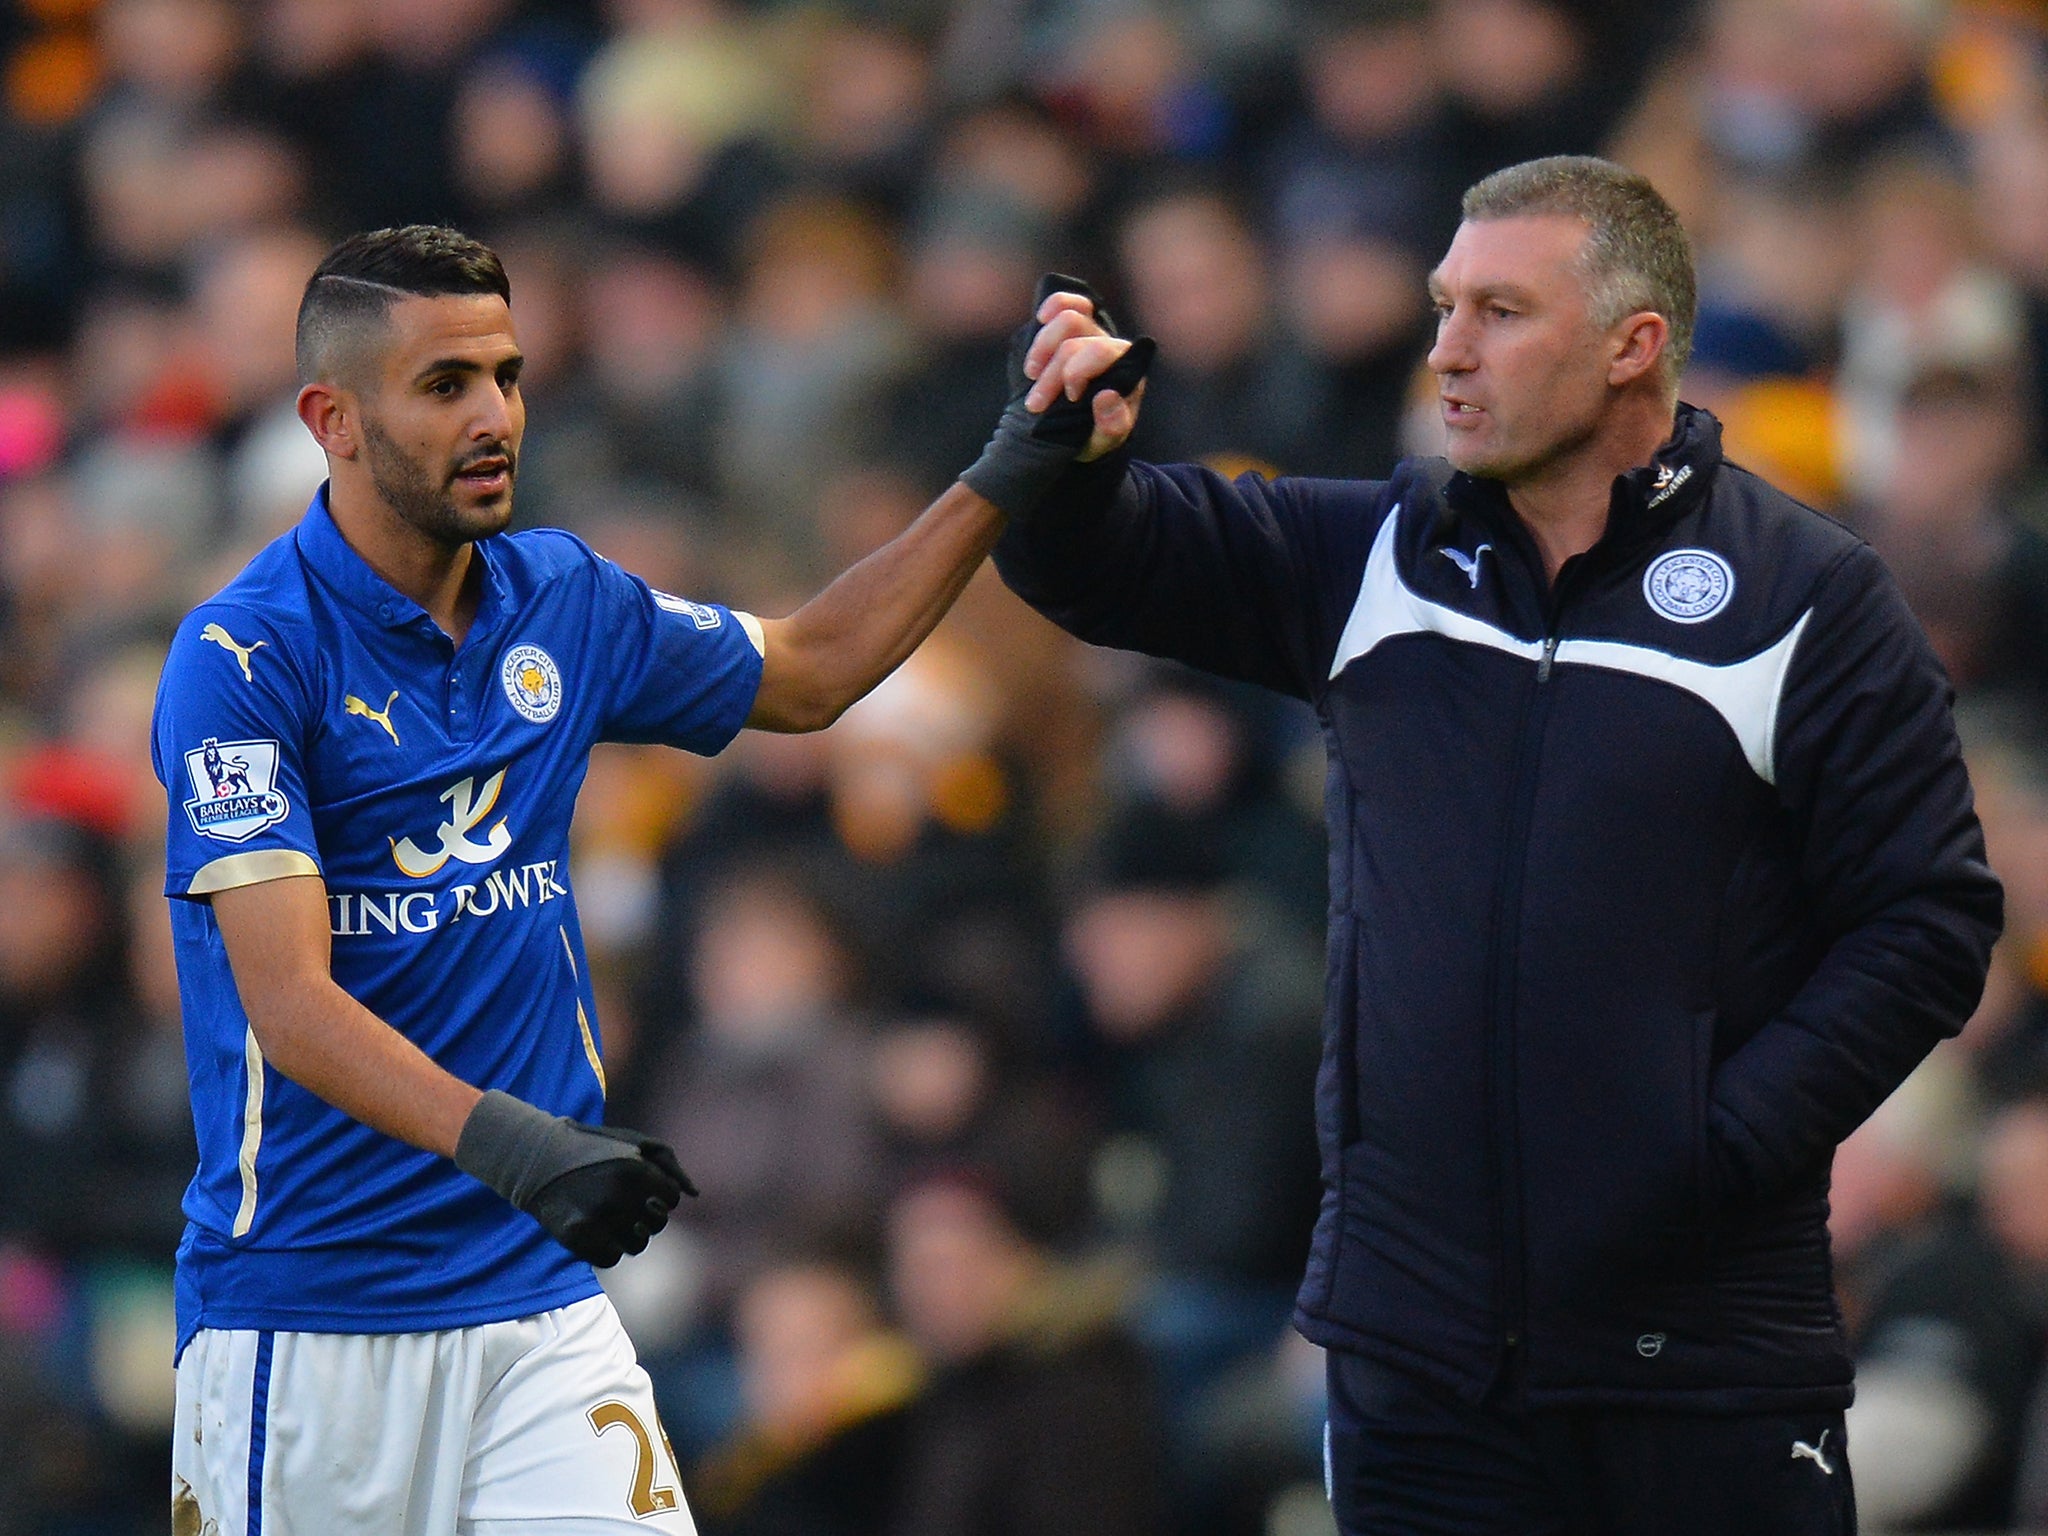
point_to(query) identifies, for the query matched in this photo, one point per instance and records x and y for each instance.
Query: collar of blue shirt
(335, 562)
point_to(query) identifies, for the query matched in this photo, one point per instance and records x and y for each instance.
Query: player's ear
(330, 415)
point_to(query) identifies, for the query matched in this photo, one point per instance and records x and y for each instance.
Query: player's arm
(830, 652)
(316, 1034)
(599, 1192)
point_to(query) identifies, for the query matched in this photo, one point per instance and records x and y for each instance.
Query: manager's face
(1520, 365)
(442, 417)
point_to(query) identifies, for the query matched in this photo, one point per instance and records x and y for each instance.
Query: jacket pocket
(1627, 1210)
(1676, 1262)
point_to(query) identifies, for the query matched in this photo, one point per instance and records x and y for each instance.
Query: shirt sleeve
(1246, 578)
(228, 742)
(682, 673)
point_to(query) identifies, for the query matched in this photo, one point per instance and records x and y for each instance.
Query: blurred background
(987, 1020)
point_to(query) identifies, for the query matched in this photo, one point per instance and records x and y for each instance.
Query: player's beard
(406, 487)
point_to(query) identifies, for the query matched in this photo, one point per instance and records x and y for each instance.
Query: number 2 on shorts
(646, 1499)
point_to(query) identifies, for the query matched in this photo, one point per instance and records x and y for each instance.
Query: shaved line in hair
(349, 297)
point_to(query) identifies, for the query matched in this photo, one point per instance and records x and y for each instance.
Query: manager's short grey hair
(1636, 258)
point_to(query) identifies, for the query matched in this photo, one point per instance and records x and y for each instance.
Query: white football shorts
(542, 1426)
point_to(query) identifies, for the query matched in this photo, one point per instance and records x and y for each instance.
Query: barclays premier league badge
(1689, 586)
(234, 789)
(532, 682)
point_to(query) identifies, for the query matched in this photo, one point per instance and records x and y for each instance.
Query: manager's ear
(330, 415)
(1638, 344)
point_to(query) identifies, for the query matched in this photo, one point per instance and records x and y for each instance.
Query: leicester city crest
(234, 789)
(532, 682)
(1689, 586)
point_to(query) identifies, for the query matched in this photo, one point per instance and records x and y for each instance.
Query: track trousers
(1402, 1460)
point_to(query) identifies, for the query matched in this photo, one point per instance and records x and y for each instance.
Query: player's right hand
(600, 1191)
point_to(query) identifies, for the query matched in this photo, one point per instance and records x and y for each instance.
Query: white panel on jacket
(1746, 694)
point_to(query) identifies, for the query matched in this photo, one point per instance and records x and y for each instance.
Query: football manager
(1653, 870)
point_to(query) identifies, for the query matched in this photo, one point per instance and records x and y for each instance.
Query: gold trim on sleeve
(252, 1133)
(251, 869)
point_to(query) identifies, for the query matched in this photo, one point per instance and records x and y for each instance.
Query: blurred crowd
(987, 1020)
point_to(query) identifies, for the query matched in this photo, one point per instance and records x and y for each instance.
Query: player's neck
(1564, 504)
(440, 577)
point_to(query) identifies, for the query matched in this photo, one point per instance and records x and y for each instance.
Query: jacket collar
(1676, 478)
(349, 576)
(1645, 500)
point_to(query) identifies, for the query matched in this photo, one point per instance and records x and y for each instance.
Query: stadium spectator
(1946, 1350)
(1039, 1414)
(2014, 1169)
(820, 1451)
(1198, 277)
(767, 1091)
(1947, 517)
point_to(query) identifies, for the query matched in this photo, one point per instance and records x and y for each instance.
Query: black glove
(599, 1191)
(1032, 449)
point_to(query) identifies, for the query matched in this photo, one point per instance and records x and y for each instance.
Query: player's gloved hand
(600, 1191)
(1031, 449)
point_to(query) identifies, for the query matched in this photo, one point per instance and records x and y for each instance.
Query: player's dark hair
(1637, 257)
(352, 290)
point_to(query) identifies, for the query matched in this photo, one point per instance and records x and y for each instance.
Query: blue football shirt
(313, 720)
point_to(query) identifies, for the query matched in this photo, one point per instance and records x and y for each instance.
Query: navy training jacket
(1645, 889)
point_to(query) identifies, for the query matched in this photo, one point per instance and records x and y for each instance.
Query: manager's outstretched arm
(1249, 578)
